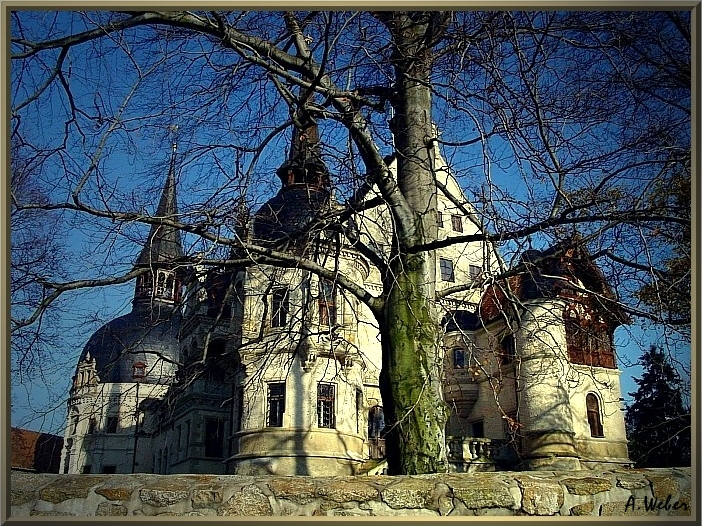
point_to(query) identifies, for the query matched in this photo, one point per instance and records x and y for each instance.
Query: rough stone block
(107, 509)
(72, 487)
(541, 498)
(408, 493)
(345, 491)
(586, 485)
(250, 501)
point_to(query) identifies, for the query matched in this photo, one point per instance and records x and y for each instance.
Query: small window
(376, 422)
(112, 424)
(327, 303)
(459, 358)
(165, 284)
(280, 307)
(276, 404)
(138, 370)
(439, 219)
(86, 469)
(92, 425)
(446, 268)
(325, 405)
(214, 438)
(476, 273)
(507, 349)
(109, 470)
(457, 223)
(74, 425)
(593, 415)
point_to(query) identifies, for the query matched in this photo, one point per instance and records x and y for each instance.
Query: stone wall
(622, 492)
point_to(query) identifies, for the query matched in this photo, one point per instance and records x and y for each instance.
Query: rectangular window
(457, 223)
(214, 438)
(459, 358)
(475, 272)
(280, 307)
(92, 425)
(507, 349)
(109, 470)
(111, 425)
(325, 405)
(74, 425)
(276, 404)
(327, 303)
(439, 219)
(86, 469)
(446, 267)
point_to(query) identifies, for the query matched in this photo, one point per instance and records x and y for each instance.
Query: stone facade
(618, 492)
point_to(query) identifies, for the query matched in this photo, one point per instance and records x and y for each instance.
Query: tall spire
(164, 243)
(162, 251)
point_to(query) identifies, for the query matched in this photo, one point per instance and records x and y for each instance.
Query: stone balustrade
(615, 492)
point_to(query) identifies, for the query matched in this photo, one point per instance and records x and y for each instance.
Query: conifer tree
(658, 423)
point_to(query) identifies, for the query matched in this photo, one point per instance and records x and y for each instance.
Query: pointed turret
(304, 165)
(162, 250)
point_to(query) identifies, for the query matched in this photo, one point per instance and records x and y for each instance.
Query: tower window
(593, 415)
(507, 348)
(446, 268)
(457, 223)
(276, 404)
(327, 303)
(439, 219)
(165, 284)
(92, 425)
(280, 307)
(459, 358)
(139, 370)
(74, 425)
(325, 405)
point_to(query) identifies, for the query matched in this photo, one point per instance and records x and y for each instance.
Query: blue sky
(133, 165)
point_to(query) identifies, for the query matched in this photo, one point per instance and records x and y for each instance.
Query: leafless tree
(553, 122)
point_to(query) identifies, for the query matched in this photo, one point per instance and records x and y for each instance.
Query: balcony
(470, 454)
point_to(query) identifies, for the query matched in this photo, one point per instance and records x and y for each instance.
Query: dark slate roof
(289, 213)
(164, 243)
(139, 336)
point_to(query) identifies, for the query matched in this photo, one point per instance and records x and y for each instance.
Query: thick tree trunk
(411, 378)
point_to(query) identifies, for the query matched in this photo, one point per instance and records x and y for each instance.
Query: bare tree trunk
(412, 357)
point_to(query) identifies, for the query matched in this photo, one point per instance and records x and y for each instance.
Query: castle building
(269, 369)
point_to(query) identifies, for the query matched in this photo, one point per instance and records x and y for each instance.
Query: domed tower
(299, 402)
(131, 358)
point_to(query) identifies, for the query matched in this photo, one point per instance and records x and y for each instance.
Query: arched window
(138, 370)
(593, 415)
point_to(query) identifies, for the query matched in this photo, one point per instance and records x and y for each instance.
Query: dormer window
(138, 370)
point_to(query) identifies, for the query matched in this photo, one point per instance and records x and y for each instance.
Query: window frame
(327, 304)
(457, 222)
(214, 449)
(447, 271)
(280, 307)
(275, 406)
(594, 416)
(326, 405)
(454, 355)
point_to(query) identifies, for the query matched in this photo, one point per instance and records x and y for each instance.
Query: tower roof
(164, 243)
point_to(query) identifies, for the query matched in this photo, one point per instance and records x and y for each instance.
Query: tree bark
(410, 380)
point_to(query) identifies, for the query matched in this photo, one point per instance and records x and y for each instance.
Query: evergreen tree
(658, 423)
